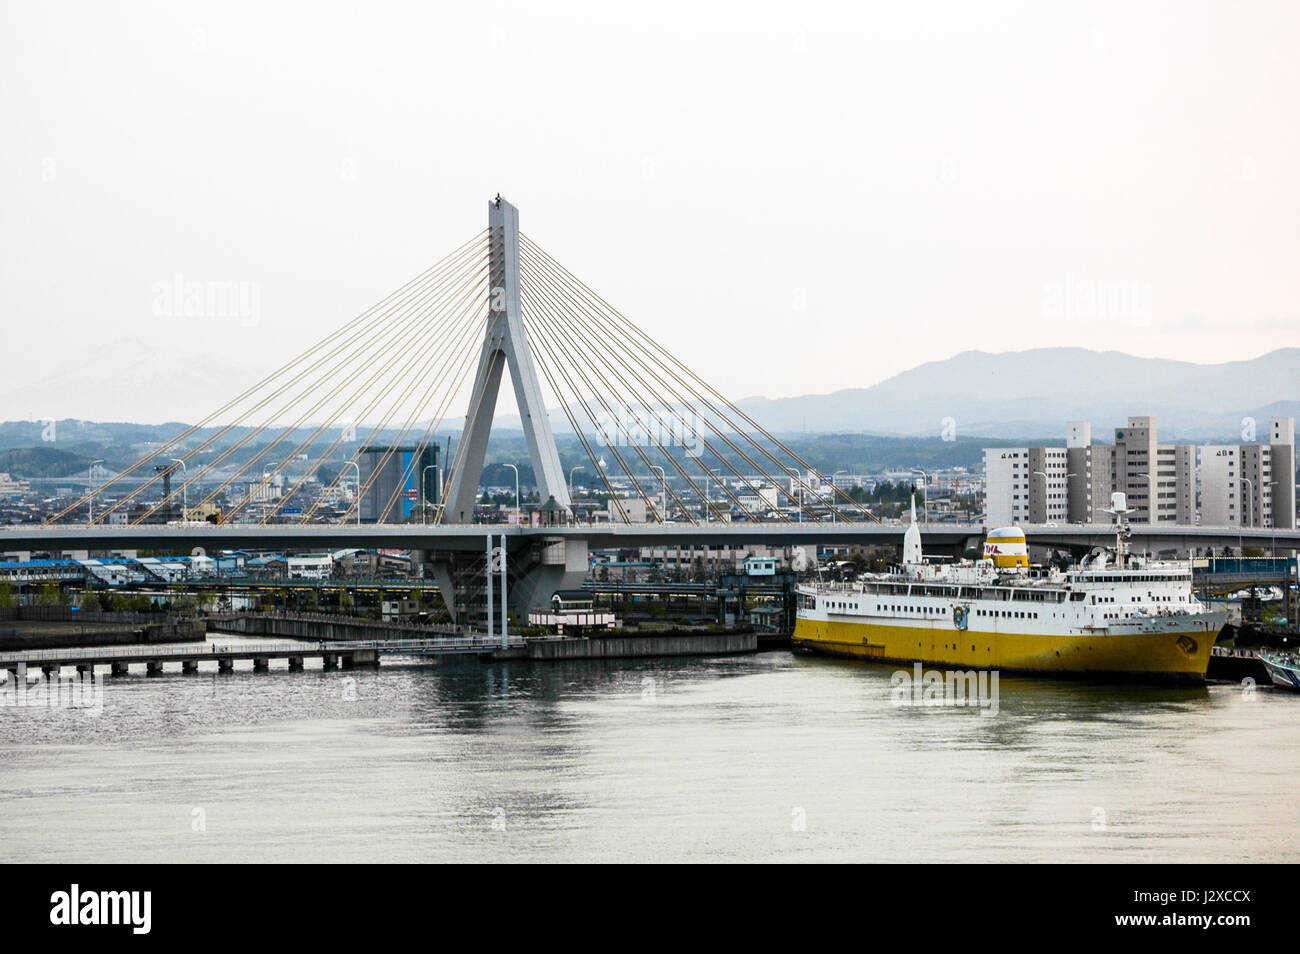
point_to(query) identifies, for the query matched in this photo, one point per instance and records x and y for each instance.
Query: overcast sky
(794, 197)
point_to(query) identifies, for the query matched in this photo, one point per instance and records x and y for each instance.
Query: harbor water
(768, 757)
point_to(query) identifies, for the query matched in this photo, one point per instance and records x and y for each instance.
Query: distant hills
(1031, 393)
(1015, 397)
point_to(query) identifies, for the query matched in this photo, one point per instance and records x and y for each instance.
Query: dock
(154, 660)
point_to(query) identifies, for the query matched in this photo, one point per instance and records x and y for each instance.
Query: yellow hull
(1180, 656)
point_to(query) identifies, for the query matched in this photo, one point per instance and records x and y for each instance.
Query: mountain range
(1032, 393)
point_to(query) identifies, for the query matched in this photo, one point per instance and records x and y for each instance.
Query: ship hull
(1163, 649)
(1284, 677)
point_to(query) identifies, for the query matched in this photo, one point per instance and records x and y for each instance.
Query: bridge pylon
(505, 343)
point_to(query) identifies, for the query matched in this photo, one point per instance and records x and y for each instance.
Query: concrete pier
(625, 647)
(348, 655)
(361, 658)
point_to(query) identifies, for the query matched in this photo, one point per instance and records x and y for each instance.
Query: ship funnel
(1006, 547)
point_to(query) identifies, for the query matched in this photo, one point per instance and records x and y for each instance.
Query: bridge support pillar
(51, 672)
(361, 658)
(261, 664)
(225, 664)
(561, 564)
(86, 670)
(329, 661)
(440, 573)
(189, 665)
(153, 667)
(120, 669)
(295, 664)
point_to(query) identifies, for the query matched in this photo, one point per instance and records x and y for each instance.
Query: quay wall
(628, 647)
(93, 633)
(315, 628)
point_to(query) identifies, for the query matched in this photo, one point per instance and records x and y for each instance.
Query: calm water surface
(768, 757)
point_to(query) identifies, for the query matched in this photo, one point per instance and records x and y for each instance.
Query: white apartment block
(1250, 485)
(1214, 485)
(1006, 486)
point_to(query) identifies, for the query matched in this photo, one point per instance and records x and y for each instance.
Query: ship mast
(1119, 507)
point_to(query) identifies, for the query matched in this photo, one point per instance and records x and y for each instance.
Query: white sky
(913, 175)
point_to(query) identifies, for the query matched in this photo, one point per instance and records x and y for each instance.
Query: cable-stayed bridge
(673, 461)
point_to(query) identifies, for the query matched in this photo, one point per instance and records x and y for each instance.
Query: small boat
(1283, 668)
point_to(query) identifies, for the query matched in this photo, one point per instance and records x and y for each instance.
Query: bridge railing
(416, 645)
(448, 629)
(118, 652)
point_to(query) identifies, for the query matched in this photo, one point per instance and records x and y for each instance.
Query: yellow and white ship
(1117, 621)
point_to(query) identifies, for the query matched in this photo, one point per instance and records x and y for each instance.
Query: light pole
(516, 470)
(925, 495)
(185, 495)
(1039, 473)
(90, 486)
(353, 463)
(795, 472)
(663, 491)
(424, 505)
(572, 504)
(1153, 517)
(1250, 500)
(1272, 550)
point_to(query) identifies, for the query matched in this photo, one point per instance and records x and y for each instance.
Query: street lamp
(572, 507)
(795, 472)
(516, 470)
(1250, 500)
(424, 507)
(1272, 550)
(90, 487)
(185, 506)
(1152, 516)
(833, 476)
(925, 494)
(663, 492)
(1039, 473)
(353, 463)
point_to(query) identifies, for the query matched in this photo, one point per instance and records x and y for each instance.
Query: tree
(51, 594)
(7, 597)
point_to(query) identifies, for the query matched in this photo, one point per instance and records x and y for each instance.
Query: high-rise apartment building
(1251, 484)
